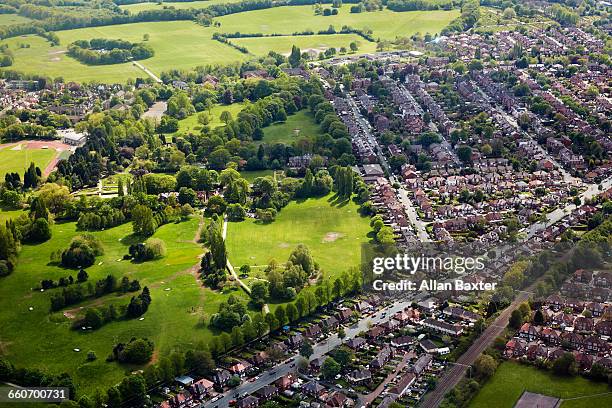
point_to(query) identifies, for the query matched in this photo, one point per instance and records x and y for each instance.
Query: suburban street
(454, 374)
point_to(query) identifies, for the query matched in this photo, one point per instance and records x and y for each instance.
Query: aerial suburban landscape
(306, 203)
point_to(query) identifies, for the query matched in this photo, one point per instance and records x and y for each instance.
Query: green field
(385, 24)
(39, 339)
(196, 48)
(137, 8)
(511, 379)
(190, 124)
(318, 43)
(250, 176)
(19, 160)
(334, 234)
(302, 124)
(8, 19)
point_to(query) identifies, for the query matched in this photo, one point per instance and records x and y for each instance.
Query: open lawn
(300, 124)
(318, 43)
(250, 176)
(385, 24)
(190, 124)
(19, 160)
(39, 339)
(196, 48)
(8, 19)
(333, 232)
(9, 214)
(511, 379)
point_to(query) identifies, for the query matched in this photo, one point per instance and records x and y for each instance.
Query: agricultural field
(316, 43)
(35, 55)
(38, 338)
(385, 24)
(190, 124)
(18, 159)
(197, 48)
(511, 379)
(333, 232)
(300, 124)
(137, 8)
(9, 19)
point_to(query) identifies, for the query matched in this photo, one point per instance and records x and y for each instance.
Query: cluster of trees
(152, 249)
(139, 304)
(9, 248)
(412, 5)
(6, 55)
(470, 14)
(136, 351)
(82, 251)
(343, 181)
(64, 281)
(563, 15)
(286, 281)
(231, 313)
(34, 377)
(106, 217)
(101, 51)
(76, 293)
(214, 262)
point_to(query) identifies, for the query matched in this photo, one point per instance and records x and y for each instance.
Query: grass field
(190, 124)
(136, 8)
(385, 24)
(334, 233)
(282, 45)
(196, 48)
(286, 132)
(19, 160)
(8, 19)
(250, 176)
(39, 339)
(511, 379)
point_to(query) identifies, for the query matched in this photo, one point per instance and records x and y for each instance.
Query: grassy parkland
(334, 233)
(511, 379)
(299, 125)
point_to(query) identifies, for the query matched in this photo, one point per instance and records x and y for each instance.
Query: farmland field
(136, 8)
(8, 19)
(511, 379)
(286, 132)
(35, 55)
(179, 302)
(197, 48)
(19, 160)
(385, 24)
(334, 233)
(282, 45)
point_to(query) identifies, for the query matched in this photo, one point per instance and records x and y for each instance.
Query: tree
(113, 397)
(292, 312)
(138, 351)
(306, 350)
(341, 333)
(485, 366)
(143, 223)
(133, 390)
(516, 319)
(259, 292)
(226, 117)
(295, 57)
(565, 365)
(281, 315)
(353, 46)
(330, 368)
(538, 317)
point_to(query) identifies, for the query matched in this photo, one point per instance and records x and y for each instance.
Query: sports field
(334, 233)
(298, 125)
(511, 379)
(317, 43)
(385, 24)
(38, 338)
(18, 158)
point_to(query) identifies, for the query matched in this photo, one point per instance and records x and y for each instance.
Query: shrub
(82, 252)
(152, 249)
